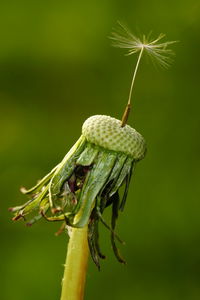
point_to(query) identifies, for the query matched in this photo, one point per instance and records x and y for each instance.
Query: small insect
(89, 178)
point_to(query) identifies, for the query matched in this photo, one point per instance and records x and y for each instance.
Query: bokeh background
(56, 69)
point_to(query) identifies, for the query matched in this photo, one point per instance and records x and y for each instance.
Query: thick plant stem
(73, 282)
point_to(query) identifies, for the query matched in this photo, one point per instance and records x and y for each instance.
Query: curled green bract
(88, 180)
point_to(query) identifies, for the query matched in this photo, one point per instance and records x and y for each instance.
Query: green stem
(76, 265)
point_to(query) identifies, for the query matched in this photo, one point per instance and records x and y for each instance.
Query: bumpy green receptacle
(88, 179)
(108, 133)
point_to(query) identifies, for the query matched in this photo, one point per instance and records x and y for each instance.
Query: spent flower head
(87, 181)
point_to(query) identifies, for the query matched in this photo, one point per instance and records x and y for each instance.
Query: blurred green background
(56, 69)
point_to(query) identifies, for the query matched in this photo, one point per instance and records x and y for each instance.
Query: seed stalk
(128, 106)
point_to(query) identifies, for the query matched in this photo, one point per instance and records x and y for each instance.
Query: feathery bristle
(122, 37)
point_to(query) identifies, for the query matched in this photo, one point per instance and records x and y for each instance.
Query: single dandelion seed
(158, 52)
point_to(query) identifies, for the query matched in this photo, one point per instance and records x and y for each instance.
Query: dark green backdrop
(56, 69)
